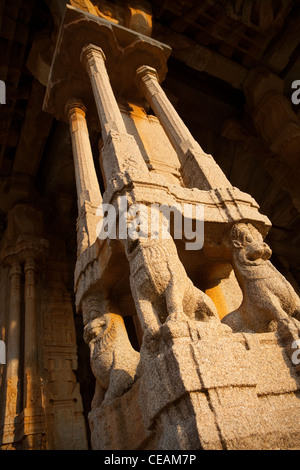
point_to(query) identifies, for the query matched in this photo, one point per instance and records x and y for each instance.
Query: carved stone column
(199, 170)
(13, 355)
(34, 420)
(88, 192)
(109, 114)
(13, 346)
(120, 151)
(278, 126)
(85, 174)
(272, 115)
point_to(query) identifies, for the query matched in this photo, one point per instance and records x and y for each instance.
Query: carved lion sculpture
(113, 360)
(268, 298)
(161, 288)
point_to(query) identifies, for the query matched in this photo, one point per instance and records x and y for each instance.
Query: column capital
(16, 254)
(30, 265)
(145, 71)
(10, 259)
(75, 105)
(15, 268)
(89, 53)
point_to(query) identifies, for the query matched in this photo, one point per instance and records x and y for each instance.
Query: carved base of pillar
(202, 387)
(27, 431)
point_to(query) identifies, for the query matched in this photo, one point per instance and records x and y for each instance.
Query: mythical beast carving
(113, 360)
(161, 288)
(268, 298)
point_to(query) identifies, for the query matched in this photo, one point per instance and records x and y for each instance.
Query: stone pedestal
(204, 388)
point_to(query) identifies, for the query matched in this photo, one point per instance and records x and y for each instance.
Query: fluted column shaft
(198, 168)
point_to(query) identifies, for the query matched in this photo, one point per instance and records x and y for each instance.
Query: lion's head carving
(248, 245)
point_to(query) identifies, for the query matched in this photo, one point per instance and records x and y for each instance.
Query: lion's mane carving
(162, 288)
(113, 360)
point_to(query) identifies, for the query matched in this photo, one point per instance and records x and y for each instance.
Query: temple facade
(149, 208)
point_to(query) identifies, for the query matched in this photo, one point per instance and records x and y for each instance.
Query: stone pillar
(109, 114)
(272, 115)
(88, 192)
(86, 179)
(34, 420)
(31, 356)
(198, 169)
(13, 355)
(13, 345)
(120, 151)
(278, 126)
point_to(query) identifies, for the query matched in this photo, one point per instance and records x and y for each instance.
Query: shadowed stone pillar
(278, 126)
(34, 419)
(88, 192)
(13, 346)
(199, 170)
(273, 116)
(13, 354)
(30, 320)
